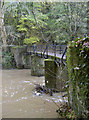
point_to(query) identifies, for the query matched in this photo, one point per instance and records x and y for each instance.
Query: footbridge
(43, 60)
(56, 51)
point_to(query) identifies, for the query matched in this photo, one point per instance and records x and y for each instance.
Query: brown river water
(19, 101)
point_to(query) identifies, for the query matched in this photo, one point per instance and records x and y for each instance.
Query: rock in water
(43, 89)
(37, 93)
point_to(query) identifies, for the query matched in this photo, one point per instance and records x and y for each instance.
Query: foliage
(32, 24)
(66, 20)
(15, 47)
(8, 60)
(47, 21)
(28, 26)
(66, 112)
(31, 40)
(77, 62)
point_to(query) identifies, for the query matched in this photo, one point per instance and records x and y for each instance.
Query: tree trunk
(3, 31)
(88, 18)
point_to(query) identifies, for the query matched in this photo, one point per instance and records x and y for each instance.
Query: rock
(43, 89)
(37, 93)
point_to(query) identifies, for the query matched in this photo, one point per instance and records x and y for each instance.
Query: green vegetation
(78, 69)
(8, 60)
(48, 60)
(51, 22)
(66, 112)
(18, 47)
(27, 23)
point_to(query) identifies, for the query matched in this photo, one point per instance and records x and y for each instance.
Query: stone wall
(78, 71)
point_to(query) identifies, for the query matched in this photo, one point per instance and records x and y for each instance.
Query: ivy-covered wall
(78, 71)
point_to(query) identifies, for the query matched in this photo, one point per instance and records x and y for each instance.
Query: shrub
(7, 60)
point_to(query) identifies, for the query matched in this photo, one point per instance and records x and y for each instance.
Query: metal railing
(48, 50)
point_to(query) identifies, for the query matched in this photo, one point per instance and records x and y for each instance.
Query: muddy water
(19, 101)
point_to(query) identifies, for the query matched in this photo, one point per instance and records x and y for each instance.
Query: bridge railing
(53, 50)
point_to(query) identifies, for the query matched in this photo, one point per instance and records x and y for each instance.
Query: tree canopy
(54, 22)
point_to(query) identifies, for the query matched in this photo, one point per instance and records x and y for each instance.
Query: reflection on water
(19, 100)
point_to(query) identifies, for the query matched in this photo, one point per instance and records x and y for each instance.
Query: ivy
(78, 59)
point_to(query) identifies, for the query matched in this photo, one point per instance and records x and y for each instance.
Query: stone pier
(26, 59)
(55, 75)
(17, 51)
(37, 65)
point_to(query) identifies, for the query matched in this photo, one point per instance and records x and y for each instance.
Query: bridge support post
(18, 53)
(62, 77)
(37, 65)
(50, 73)
(26, 59)
(54, 75)
(22, 58)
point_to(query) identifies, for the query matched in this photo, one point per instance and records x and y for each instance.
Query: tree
(3, 31)
(33, 24)
(88, 18)
(53, 22)
(66, 20)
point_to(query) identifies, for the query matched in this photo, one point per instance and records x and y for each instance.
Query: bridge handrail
(46, 49)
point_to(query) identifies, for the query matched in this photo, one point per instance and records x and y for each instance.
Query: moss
(48, 60)
(37, 66)
(15, 47)
(78, 69)
(50, 73)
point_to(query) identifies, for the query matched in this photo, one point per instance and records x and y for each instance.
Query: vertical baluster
(55, 51)
(47, 50)
(41, 50)
(60, 49)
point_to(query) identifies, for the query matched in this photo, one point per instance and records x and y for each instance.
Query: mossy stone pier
(37, 65)
(50, 73)
(26, 59)
(22, 59)
(17, 51)
(62, 77)
(53, 79)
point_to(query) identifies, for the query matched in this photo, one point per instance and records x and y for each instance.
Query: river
(18, 99)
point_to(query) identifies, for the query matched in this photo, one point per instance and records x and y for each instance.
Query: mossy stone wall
(37, 65)
(78, 71)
